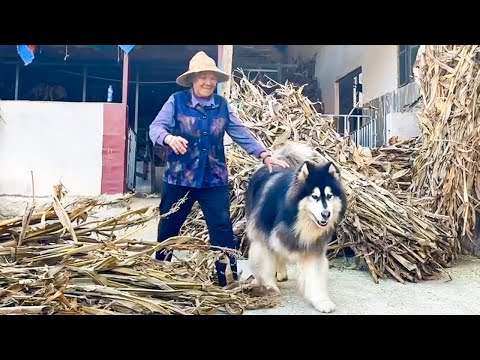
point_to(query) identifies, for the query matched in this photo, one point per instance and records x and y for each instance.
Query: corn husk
(447, 166)
(69, 259)
(394, 238)
(392, 165)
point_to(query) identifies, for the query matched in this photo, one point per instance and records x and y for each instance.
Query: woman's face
(204, 83)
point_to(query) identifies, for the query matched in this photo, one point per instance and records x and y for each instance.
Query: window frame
(406, 59)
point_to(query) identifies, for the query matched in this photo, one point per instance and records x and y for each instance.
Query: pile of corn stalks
(447, 167)
(391, 166)
(394, 238)
(67, 259)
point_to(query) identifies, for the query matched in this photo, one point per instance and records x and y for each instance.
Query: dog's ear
(333, 170)
(304, 171)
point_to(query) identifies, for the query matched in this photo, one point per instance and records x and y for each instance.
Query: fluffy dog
(291, 215)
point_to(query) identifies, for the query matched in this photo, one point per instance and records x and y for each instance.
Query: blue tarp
(27, 52)
(126, 48)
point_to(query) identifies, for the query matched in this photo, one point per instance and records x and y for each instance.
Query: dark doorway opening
(350, 90)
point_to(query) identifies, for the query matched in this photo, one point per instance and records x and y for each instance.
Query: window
(406, 58)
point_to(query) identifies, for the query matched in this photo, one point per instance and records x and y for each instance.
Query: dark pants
(215, 205)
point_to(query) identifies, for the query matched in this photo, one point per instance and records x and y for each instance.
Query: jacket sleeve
(241, 135)
(163, 123)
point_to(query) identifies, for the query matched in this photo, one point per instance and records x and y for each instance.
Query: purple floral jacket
(203, 124)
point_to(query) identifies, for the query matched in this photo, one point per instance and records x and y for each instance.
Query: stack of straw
(68, 259)
(392, 236)
(447, 166)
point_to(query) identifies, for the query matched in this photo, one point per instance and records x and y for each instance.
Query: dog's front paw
(324, 305)
(282, 276)
(255, 282)
(274, 289)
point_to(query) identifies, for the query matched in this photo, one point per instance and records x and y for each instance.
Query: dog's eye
(315, 197)
(329, 196)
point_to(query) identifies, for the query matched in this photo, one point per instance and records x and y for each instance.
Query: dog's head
(320, 193)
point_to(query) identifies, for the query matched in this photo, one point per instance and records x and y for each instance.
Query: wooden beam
(137, 94)
(225, 57)
(224, 63)
(17, 80)
(125, 79)
(219, 64)
(84, 89)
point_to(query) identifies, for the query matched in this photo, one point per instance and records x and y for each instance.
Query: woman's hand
(270, 161)
(177, 143)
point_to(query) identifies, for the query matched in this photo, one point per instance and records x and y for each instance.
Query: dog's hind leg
(282, 274)
(263, 265)
(313, 282)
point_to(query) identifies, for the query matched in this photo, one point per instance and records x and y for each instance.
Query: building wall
(114, 151)
(403, 125)
(61, 141)
(379, 78)
(378, 62)
(393, 104)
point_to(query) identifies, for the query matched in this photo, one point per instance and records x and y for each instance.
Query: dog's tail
(294, 153)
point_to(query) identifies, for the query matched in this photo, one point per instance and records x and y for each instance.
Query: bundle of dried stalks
(392, 237)
(304, 74)
(391, 166)
(447, 167)
(66, 259)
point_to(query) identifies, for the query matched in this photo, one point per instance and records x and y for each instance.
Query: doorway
(350, 89)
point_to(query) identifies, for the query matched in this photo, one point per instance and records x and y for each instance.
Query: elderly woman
(191, 125)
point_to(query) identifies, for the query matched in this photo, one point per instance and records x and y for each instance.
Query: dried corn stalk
(393, 237)
(391, 166)
(67, 259)
(447, 167)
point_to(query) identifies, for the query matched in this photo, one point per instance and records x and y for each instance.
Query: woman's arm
(164, 123)
(242, 136)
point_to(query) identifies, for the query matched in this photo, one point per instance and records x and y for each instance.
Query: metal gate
(364, 128)
(131, 159)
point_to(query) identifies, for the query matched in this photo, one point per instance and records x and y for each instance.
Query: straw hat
(201, 62)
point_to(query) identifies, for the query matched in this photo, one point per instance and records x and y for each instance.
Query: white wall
(404, 125)
(59, 141)
(378, 62)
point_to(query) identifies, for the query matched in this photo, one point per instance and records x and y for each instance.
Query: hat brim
(185, 78)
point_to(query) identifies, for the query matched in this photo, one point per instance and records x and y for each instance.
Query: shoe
(221, 267)
(164, 255)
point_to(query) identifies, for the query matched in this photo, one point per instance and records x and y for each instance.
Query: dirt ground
(353, 291)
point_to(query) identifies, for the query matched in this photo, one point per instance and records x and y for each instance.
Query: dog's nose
(325, 214)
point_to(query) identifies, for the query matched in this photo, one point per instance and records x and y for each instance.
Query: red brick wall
(114, 162)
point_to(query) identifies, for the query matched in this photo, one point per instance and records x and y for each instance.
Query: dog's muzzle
(325, 216)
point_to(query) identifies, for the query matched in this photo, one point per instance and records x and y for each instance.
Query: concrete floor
(354, 292)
